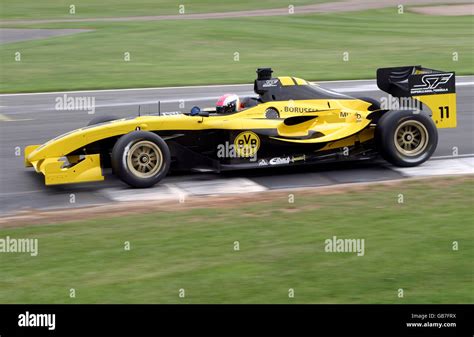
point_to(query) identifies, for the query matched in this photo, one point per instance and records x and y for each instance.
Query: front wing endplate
(86, 170)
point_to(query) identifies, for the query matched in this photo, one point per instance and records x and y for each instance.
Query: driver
(228, 103)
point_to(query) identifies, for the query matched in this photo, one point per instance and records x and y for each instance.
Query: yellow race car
(289, 122)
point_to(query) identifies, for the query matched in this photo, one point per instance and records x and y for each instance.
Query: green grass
(202, 52)
(59, 9)
(407, 246)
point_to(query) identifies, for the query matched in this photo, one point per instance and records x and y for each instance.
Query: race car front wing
(65, 170)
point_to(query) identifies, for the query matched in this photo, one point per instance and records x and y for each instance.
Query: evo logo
(432, 84)
(37, 320)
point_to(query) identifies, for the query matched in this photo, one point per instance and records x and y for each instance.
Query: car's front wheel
(141, 159)
(406, 138)
(104, 150)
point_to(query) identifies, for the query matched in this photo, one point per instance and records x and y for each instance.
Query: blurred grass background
(193, 52)
(59, 9)
(407, 246)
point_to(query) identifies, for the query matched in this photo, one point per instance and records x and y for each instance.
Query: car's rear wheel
(405, 138)
(141, 159)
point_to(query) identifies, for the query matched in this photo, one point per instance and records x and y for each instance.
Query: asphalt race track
(32, 119)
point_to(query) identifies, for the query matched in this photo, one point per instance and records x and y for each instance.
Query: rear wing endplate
(435, 88)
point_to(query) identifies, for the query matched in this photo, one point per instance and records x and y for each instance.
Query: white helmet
(228, 103)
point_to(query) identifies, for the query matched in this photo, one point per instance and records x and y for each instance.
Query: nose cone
(59, 146)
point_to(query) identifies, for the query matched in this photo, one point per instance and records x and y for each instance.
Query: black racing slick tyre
(101, 119)
(141, 159)
(405, 138)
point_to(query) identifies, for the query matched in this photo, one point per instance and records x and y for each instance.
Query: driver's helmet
(228, 103)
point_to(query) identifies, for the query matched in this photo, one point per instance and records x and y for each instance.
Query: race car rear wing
(435, 88)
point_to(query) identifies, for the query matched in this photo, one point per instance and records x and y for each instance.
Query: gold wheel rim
(411, 138)
(144, 159)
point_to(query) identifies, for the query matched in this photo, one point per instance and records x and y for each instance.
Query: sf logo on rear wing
(436, 90)
(434, 83)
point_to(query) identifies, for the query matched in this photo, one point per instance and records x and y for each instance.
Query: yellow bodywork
(443, 108)
(83, 170)
(335, 118)
(343, 122)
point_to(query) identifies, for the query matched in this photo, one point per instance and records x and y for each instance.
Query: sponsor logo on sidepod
(246, 144)
(279, 161)
(299, 109)
(285, 160)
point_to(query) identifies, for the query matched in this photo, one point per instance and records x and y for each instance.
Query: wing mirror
(196, 111)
